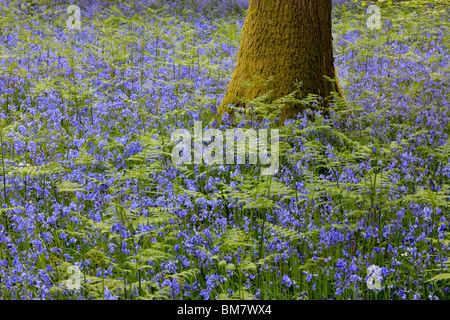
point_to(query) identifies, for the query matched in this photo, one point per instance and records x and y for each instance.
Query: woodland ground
(358, 210)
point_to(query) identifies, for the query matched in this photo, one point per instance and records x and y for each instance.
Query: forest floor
(93, 206)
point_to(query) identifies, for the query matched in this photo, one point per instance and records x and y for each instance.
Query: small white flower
(406, 253)
(374, 280)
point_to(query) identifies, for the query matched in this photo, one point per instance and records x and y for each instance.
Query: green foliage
(246, 251)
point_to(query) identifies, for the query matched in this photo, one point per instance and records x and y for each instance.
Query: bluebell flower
(204, 294)
(286, 281)
(111, 247)
(109, 295)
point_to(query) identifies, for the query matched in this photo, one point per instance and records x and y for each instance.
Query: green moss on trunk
(289, 40)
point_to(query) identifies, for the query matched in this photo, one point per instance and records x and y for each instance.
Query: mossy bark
(289, 40)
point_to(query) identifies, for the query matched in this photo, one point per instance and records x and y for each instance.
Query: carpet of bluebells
(92, 206)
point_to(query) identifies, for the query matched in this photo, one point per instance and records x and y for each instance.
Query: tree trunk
(289, 40)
